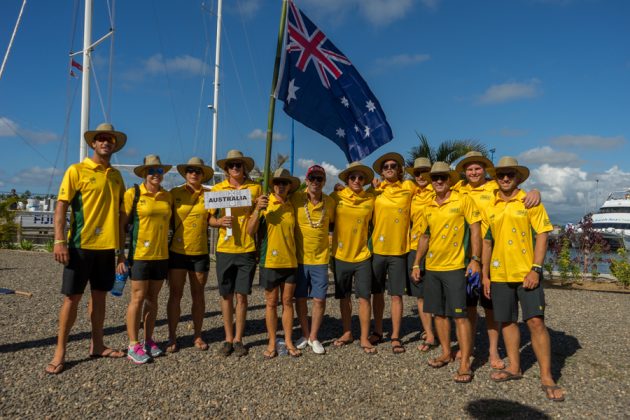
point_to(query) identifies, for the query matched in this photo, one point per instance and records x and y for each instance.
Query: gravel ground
(590, 359)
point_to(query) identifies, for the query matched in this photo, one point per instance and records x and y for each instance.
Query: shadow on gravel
(496, 408)
(563, 346)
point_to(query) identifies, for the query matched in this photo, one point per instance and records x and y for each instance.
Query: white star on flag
(370, 106)
(367, 131)
(345, 102)
(292, 90)
(341, 132)
(356, 128)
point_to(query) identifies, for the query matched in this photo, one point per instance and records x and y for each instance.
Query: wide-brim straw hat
(106, 128)
(150, 161)
(282, 173)
(366, 171)
(236, 155)
(473, 157)
(508, 162)
(397, 157)
(442, 168)
(419, 163)
(196, 162)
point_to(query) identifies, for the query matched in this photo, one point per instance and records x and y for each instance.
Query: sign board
(228, 199)
(37, 219)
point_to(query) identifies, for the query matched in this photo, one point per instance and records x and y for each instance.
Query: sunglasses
(108, 139)
(281, 182)
(317, 178)
(193, 170)
(439, 177)
(389, 166)
(418, 173)
(156, 171)
(356, 177)
(235, 165)
(510, 174)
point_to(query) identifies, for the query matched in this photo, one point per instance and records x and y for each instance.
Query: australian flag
(321, 89)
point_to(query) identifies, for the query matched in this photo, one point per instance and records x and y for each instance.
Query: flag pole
(272, 99)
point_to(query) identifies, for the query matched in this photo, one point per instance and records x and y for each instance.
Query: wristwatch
(119, 252)
(476, 258)
(537, 269)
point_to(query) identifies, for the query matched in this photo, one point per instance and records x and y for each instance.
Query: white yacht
(613, 219)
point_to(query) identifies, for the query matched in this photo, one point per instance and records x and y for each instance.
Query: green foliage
(8, 227)
(564, 260)
(596, 257)
(548, 267)
(26, 245)
(448, 151)
(49, 246)
(620, 267)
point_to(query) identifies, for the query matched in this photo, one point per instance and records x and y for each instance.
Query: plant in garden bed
(26, 245)
(620, 267)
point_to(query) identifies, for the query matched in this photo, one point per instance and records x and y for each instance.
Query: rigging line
(168, 82)
(204, 77)
(98, 88)
(251, 56)
(16, 132)
(238, 76)
(17, 25)
(111, 60)
(75, 16)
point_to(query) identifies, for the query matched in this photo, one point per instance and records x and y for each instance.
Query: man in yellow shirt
(446, 219)
(94, 190)
(314, 211)
(512, 272)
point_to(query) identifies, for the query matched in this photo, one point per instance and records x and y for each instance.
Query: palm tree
(448, 151)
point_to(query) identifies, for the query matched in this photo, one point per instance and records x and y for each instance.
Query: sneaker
(317, 347)
(301, 343)
(239, 349)
(137, 354)
(152, 349)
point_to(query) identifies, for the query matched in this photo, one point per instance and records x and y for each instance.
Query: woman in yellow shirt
(148, 206)
(188, 251)
(274, 220)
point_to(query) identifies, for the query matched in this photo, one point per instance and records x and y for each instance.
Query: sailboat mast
(85, 86)
(17, 25)
(217, 60)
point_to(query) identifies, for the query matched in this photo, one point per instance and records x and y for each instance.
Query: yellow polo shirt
(94, 193)
(277, 227)
(149, 236)
(511, 226)
(391, 217)
(447, 224)
(353, 213)
(311, 237)
(190, 221)
(483, 197)
(240, 241)
(419, 201)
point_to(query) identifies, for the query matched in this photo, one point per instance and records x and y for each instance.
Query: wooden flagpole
(272, 99)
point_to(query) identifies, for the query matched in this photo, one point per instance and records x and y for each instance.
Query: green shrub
(620, 267)
(26, 245)
(49, 246)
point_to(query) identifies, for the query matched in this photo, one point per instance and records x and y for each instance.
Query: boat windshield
(619, 195)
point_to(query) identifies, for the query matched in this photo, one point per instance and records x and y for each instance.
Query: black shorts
(390, 271)
(507, 296)
(415, 289)
(345, 272)
(235, 272)
(196, 263)
(270, 278)
(445, 293)
(149, 270)
(96, 266)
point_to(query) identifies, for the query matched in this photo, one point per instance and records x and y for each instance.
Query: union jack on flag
(323, 90)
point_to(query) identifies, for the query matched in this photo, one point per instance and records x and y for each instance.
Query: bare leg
(443, 329)
(241, 316)
(512, 340)
(227, 309)
(151, 308)
(301, 308)
(541, 344)
(67, 317)
(176, 282)
(139, 290)
(287, 290)
(198, 309)
(317, 317)
(364, 319)
(96, 309)
(271, 317)
(427, 324)
(464, 337)
(493, 341)
(397, 311)
(345, 307)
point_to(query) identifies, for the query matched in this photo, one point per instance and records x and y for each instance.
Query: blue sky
(547, 81)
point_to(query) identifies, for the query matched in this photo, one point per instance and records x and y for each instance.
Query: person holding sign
(150, 212)
(188, 251)
(236, 250)
(274, 220)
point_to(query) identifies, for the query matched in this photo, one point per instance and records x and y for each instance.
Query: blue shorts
(312, 281)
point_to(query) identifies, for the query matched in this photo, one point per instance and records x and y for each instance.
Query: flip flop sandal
(547, 388)
(341, 343)
(507, 376)
(423, 336)
(293, 352)
(369, 350)
(468, 377)
(425, 346)
(397, 348)
(268, 355)
(56, 369)
(494, 364)
(378, 336)
(201, 345)
(172, 348)
(438, 363)
(108, 353)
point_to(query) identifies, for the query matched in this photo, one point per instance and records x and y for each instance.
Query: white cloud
(547, 155)
(377, 12)
(36, 176)
(9, 128)
(259, 134)
(183, 65)
(400, 61)
(331, 170)
(588, 141)
(508, 92)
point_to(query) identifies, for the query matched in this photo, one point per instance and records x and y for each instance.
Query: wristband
(60, 241)
(475, 258)
(415, 266)
(537, 265)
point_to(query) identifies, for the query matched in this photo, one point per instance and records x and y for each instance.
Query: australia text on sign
(228, 199)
